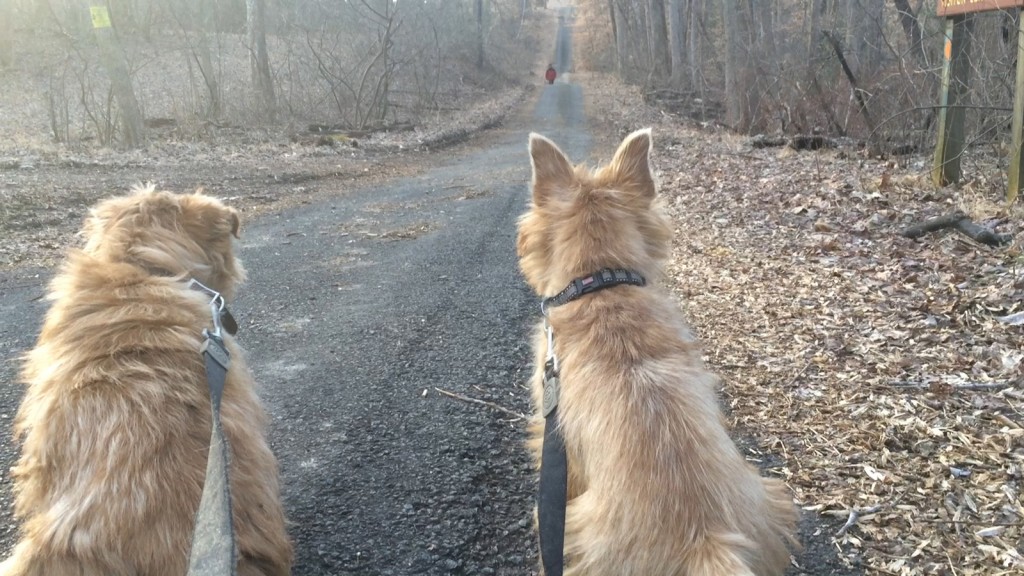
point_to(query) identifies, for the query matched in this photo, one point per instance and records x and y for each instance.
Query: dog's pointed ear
(632, 161)
(552, 170)
(236, 222)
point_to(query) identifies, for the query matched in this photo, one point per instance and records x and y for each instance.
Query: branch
(855, 514)
(857, 92)
(933, 107)
(933, 224)
(491, 405)
(961, 223)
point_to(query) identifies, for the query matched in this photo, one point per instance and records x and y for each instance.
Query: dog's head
(187, 235)
(581, 221)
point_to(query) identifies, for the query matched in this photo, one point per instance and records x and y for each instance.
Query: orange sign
(953, 7)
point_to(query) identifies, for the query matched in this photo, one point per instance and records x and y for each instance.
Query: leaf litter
(885, 373)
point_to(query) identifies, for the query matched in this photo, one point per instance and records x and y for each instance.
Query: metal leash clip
(218, 308)
(552, 382)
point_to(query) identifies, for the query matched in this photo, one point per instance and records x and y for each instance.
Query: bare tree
(195, 19)
(621, 33)
(678, 28)
(816, 10)
(259, 60)
(659, 39)
(694, 54)
(865, 34)
(478, 11)
(133, 133)
(360, 79)
(737, 110)
(912, 28)
(6, 33)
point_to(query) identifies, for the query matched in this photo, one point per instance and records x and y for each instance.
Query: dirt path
(362, 304)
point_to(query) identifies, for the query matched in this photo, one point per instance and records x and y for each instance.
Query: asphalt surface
(357, 312)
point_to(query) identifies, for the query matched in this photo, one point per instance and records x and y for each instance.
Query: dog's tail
(721, 555)
(779, 533)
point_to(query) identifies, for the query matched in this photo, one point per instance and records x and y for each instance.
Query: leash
(213, 538)
(554, 470)
(553, 486)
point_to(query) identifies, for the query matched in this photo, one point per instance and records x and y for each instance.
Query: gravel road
(358, 311)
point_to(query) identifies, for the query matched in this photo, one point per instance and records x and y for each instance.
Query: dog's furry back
(657, 487)
(115, 422)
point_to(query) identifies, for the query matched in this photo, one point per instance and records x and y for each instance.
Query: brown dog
(656, 486)
(115, 423)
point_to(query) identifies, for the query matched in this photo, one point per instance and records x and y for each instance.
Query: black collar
(604, 278)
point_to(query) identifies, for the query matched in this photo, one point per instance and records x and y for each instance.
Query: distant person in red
(550, 74)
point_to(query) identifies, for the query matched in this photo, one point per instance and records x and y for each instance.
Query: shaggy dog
(656, 486)
(115, 423)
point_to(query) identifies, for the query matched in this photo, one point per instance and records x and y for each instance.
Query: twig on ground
(798, 374)
(481, 402)
(932, 386)
(966, 522)
(855, 514)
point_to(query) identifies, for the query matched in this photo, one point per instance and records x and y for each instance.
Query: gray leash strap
(554, 480)
(213, 538)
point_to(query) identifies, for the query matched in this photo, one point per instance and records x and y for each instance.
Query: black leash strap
(554, 480)
(213, 539)
(605, 278)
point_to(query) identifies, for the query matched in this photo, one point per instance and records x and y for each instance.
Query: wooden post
(955, 75)
(1016, 175)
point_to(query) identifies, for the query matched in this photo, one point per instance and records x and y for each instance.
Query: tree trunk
(678, 27)
(912, 29)
(203, 26)
(695, 52)
(198, 17)
(622, 42)
(856, 28)
(613, 16)
(734, 108)
(742, 92)
(133, 131)
(662, 62)
(259, 60)
(6, 33)
(640, 35)
(817, 8)
(868, 27)
(478, 9)
(768, 19)
(755, 55)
